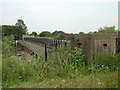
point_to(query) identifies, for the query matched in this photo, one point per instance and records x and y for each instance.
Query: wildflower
(52, 79)
(20, 77)
(47, 82)
(100, 83)
(63, 80)
(39, 84)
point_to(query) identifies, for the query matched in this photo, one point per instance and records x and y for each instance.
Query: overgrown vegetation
(54, 35)
(105, 30)
(64, 64)
(17, 30)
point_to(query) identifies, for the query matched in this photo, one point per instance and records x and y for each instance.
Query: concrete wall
(84, 42)
(94, 43)
(105, 43)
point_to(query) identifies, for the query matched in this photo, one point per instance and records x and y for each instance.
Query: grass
(101, 80)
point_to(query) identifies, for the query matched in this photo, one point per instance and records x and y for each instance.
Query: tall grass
(106, 62)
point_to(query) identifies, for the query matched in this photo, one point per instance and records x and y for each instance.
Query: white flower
(52, 79)
(63, 80)
(99, 83)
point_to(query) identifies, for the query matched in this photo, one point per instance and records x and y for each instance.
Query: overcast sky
(70, 16)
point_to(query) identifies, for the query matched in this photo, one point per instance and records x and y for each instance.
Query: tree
(81, 33)
(59, 34)
(45, 34)
(95, 32)
(34, 33)
(107, 30)
(17, 30)
(90, 32)
(7, 30)
(20, 24)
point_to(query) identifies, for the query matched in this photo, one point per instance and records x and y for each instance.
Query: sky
(70, 16)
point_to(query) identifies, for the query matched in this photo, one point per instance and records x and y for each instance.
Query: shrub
(106, 62)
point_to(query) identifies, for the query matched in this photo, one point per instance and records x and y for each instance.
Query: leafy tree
(95, 32)
(68, 36)
(17, 30)
(81, 33)
(59, 34)
(55, 33)
(45, 34)
(107, 30)
(90, 32)
(7, 30)
(20, 24)
(34, 33)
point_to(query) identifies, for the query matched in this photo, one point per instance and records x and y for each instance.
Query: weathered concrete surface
(36, 48)
(94, 43)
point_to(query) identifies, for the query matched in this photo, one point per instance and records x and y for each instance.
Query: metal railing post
(45, 52)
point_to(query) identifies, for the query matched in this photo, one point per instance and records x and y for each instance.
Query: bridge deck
(36, 48)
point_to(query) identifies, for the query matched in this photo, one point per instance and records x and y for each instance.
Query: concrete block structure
(94, 43)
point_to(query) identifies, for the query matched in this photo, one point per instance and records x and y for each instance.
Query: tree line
(17, 30)
(62, 35)
(104, 30)
(20, 29)
(55, 35)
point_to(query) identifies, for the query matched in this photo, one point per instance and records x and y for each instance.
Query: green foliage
(12, 70)
(7, 46)
(107, 30)
(68, 36)
(105, 62)
(59, 35)
(18, 30)
(106, 59)
(55, 35)
(7, 30)
(34, 33)
(77, 59)
(95, 32)
(64, 63)
(81, 33)
(20, 24)
(45, 34)
(0, 47)
(43, 37)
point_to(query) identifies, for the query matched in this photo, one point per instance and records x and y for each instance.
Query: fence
(49, 44)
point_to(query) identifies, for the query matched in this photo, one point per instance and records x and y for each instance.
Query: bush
(11, 71)
(16, 71)
(68, 61)
(7, 47)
